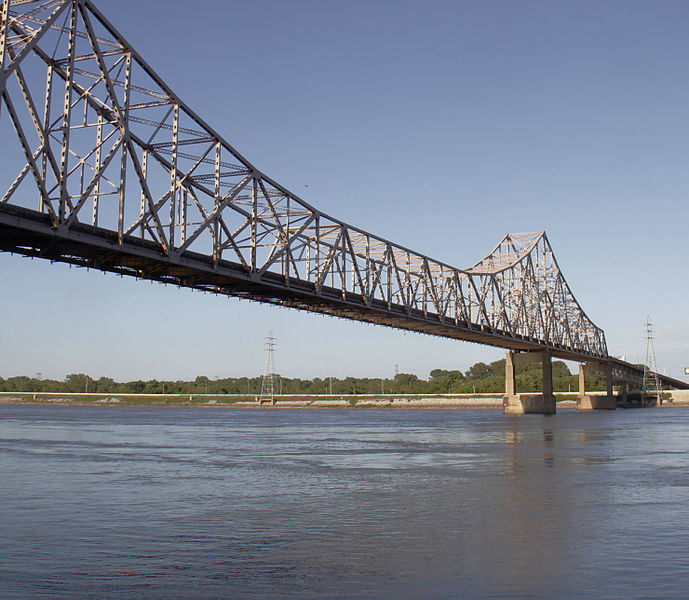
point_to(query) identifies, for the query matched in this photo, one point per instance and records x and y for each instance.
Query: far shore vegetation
(481, 378)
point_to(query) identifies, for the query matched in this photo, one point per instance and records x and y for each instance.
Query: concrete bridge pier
(519, 404)
(590, 402)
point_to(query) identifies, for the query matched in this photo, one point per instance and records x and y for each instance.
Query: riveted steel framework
(114, 171)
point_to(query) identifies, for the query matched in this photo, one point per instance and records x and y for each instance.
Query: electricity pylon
(268, 386)
(651, 384)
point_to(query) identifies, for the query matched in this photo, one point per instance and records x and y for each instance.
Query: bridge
(113, 171)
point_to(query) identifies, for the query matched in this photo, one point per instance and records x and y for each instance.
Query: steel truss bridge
(110, 169)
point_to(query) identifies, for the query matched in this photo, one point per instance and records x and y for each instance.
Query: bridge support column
(596, 402)
(519, 404)
(510, 375)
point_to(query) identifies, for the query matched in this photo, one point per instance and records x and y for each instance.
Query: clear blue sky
(439, 125)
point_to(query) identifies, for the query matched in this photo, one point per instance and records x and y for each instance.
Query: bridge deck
(31, 234)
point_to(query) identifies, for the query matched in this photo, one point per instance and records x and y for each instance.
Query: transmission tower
(268, 386)
(651, 383)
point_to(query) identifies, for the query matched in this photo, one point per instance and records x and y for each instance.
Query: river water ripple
(124, 502)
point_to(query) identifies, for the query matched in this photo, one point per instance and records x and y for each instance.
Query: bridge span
(113, 171)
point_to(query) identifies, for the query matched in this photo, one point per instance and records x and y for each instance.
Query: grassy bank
(245, 400)
(565, 399)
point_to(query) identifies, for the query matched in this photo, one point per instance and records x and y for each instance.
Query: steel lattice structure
(113, 171)
(651, 382)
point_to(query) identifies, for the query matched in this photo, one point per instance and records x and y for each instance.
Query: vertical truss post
(183, 198)
(4, 26)
(125, 134)
(144, 173)
(307, 258)
(46, 130)
(343, 265)
(173, 174)
(99, 143)
(122, 198)
(367, 273)
(254, 219)
(216, 221)
(82, 168)
(287, 256)
(317, 255)
(67, 112)
(389, 275)
(330, 263)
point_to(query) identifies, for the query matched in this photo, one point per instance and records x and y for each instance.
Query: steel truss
(114, 171)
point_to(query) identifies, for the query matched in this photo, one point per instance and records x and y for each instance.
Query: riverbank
(449, 401)
(487, 401)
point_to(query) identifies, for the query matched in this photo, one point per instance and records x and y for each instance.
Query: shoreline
(354, 403)
(448, 401)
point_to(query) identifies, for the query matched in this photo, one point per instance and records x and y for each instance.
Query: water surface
(115, 502)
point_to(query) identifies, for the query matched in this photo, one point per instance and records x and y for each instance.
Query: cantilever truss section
(525, 292)
(103, 150)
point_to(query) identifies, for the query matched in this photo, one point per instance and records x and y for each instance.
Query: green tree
(76, 382)
(479, 370)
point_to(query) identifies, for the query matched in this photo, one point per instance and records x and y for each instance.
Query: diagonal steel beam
(29, 157)
(30, 44)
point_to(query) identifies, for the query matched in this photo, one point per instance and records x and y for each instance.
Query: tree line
(479, 378)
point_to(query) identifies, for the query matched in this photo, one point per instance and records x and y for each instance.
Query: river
(118, 502)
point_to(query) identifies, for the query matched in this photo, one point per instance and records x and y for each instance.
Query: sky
(438, 125)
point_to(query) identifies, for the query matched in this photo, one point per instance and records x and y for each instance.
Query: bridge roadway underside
(31, 233)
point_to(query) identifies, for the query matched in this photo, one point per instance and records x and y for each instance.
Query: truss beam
(125, 177)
